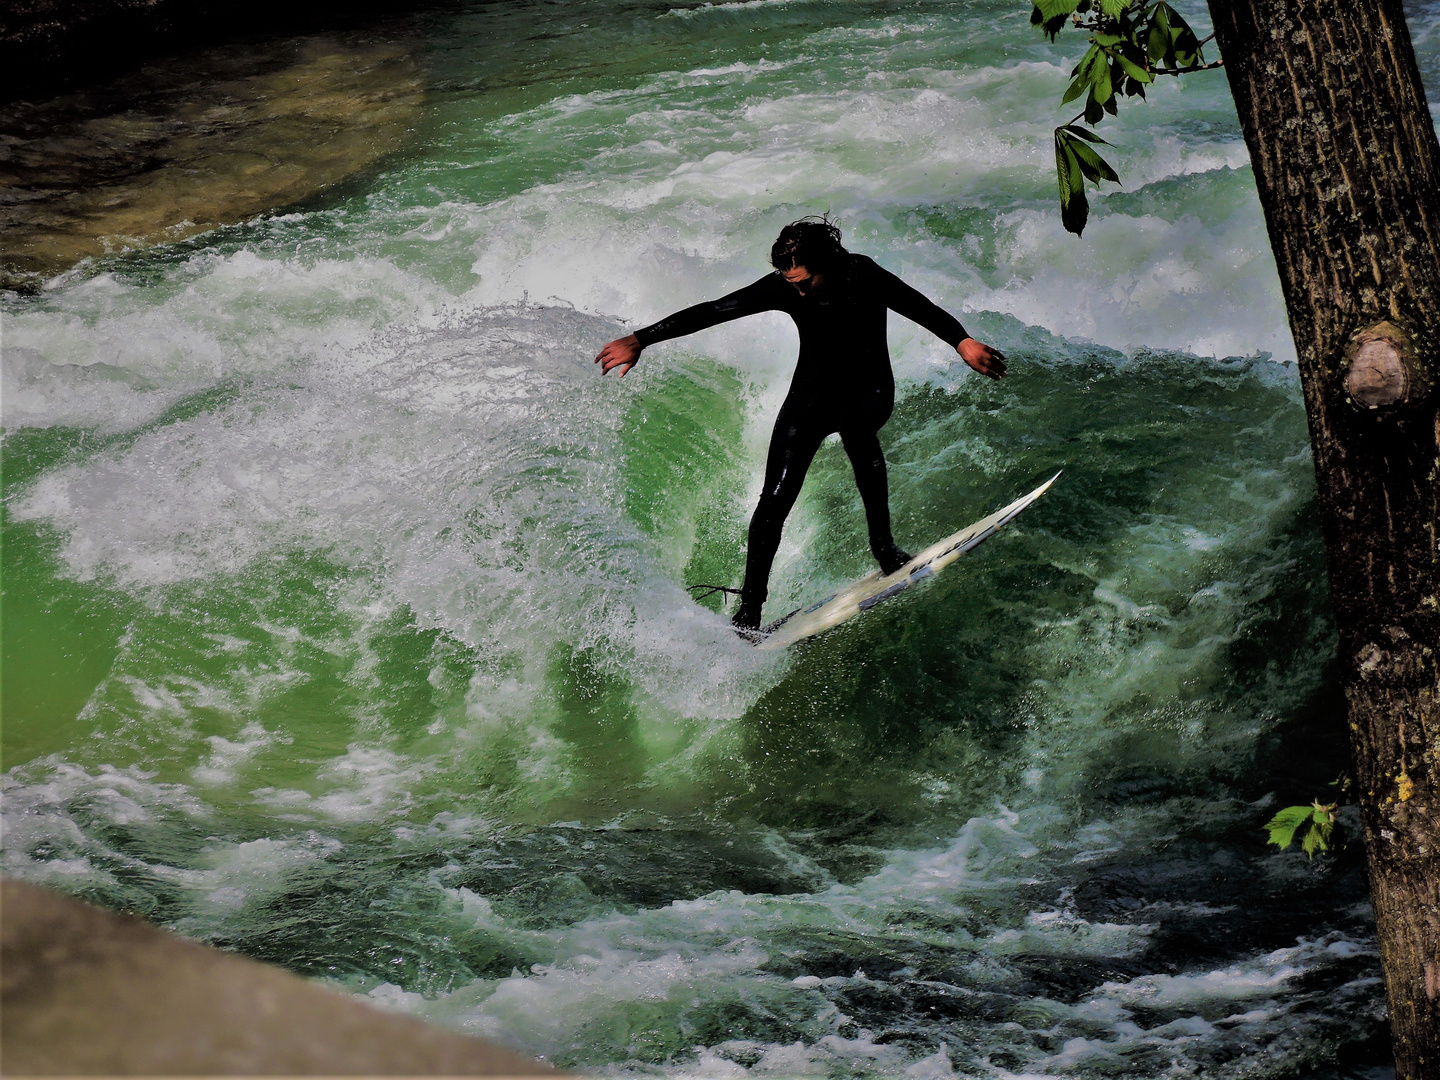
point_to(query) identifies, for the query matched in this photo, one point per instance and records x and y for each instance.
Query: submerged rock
(175, 150)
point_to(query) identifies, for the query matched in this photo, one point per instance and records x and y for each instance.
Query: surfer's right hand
(623, 353)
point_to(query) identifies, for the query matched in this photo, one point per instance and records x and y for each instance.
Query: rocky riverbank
(198, 141)
(88, 992)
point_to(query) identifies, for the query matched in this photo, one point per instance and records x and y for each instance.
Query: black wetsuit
(842, 382)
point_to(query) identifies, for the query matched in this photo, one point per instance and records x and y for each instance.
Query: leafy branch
(1131, 43)
(1314, 824)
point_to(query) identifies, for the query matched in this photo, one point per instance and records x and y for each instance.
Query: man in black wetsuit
(842, 382)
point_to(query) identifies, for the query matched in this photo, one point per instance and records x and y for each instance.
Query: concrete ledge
(86, 992)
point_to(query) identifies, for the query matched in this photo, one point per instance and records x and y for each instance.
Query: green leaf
(1282, 827)
(1074, 207)
(1101, 88)
(1075, 212)
(1083, 133)
(1318, 838)
(1050, 15)
(1049, 9)
(1157, 42)
(1170, 41)
(1132, 69)
(1083, 70)
(1072, 180)
(1187, 47)
(1314, 824)
(1158, 35)
(1113, 8)
(1092, 164)
(1167, 13)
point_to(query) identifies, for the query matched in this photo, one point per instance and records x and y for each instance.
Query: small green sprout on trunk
(1314, 824)
(1131, 42)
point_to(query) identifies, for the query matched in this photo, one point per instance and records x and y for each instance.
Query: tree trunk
(1348, 171)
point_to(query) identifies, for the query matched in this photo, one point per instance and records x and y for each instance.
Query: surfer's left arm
(918, 308)
(986, 359)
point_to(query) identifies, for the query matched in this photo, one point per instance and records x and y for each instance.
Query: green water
(345, 620)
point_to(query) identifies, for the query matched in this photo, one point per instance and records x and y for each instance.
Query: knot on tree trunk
(1384, 370)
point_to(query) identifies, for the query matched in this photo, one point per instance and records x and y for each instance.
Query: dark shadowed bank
(47, 46)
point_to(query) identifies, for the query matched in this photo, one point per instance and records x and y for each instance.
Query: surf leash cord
(711, 590)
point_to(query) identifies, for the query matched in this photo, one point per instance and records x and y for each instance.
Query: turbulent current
(345, 621)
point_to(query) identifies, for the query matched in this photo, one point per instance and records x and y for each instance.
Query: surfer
(843, 381)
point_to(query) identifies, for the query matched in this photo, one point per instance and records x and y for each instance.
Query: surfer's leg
(792, 449)
(868, 461)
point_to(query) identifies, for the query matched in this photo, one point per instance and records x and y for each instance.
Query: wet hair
(812, 242)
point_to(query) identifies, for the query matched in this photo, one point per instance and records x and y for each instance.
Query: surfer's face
(804, 281)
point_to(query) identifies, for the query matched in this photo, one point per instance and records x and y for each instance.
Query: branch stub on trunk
(1384, 370)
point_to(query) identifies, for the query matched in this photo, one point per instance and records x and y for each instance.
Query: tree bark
(1348, 171)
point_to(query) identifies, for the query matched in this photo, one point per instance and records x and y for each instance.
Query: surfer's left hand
(987, 361)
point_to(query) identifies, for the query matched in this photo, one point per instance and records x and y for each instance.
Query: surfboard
(875, 588)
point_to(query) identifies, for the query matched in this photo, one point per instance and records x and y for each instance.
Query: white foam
(50, 806)
(419, 452)
(107, 355)
(227, 755)
(734, 5)
(238, 875)
(677, 211)
(693, 950)
(367, 783)
(1142, 281)
(934, 1067)
(667, 961)
(1062, 933)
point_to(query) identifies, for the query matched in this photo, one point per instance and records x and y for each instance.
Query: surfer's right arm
(767, 294)
(623, 352)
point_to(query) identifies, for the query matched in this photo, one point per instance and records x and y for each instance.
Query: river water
(345, 621)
